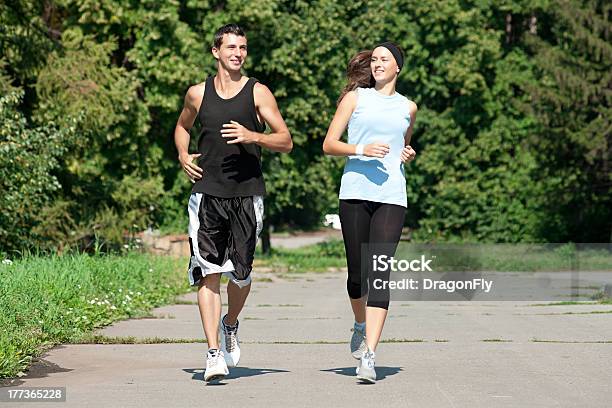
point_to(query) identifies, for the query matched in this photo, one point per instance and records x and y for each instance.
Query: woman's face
(383, 65)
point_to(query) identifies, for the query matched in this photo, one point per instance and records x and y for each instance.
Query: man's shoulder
(196, 90)
(259, 87)
(195, 94)
(262, 93)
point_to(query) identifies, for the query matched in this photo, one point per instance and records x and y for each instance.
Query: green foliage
(114, 121)
(512, 135)
(27, 35)
(28, 157)
(472, 179)
(303, 58)
(111, 170)
(570, 98)
(6, 86)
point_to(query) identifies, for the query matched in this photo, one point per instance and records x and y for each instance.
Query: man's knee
(244, 284)
(212, 281)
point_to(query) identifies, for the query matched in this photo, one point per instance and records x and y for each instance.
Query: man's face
(232, 53)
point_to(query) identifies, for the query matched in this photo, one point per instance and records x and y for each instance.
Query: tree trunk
(508, 28)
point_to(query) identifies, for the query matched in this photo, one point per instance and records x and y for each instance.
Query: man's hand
(193, 171)
(408, 154)
(241, 134)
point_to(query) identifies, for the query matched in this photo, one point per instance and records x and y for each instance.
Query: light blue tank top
(377, 118)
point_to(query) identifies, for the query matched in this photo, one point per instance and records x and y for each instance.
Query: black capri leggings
(368, 222)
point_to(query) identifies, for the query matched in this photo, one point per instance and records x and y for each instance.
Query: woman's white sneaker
(365, 369)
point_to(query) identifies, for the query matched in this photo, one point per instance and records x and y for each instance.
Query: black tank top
(230, 170)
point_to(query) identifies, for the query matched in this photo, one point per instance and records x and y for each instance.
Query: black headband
(397, 54)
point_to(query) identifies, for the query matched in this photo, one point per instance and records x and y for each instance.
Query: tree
(570, 97)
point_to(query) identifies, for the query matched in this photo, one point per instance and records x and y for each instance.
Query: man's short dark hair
(227, 29)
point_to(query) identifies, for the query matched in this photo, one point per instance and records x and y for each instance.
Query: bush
(28, 158)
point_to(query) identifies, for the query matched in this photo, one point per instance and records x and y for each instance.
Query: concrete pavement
(295, 331)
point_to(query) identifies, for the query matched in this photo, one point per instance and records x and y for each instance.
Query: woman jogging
(373, 187)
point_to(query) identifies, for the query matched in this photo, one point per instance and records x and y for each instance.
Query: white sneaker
(365, 369)
(358, 345)
(216, 368)
(229, 343)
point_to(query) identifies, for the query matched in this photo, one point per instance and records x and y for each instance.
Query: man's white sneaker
(358, 345)
(365, 369)
(229, 342)
(216, 368)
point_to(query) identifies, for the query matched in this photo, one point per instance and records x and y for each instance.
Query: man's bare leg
(236, 297)
(209, 303)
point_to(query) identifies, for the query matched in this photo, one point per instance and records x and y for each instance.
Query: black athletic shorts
(223, 233)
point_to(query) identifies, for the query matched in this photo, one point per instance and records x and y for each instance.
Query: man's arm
(280, 138)
(181, 132)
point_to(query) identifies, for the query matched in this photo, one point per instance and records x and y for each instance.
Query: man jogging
(226, 203)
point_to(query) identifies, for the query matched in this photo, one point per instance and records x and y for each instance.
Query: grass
(571, 341)
(328, 255)
(45, 301)
(312, 258)
(576, 313)
(511, 257)
(395, 340)
(568, 303)
(185, 302)
(101, 339)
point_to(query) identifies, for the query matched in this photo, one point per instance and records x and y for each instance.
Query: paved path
(295, 331)
(291, 241)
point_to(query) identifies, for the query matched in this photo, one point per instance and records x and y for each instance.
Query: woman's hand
(408, 154)
(376, 150)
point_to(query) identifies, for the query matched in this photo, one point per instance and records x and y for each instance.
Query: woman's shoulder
(349, 100)
(412, 106)
(351, 95)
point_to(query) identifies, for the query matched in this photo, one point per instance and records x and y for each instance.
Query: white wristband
(359, 150)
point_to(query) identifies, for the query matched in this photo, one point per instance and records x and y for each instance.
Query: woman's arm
(408, 153)
(413, 108)
(332, 144)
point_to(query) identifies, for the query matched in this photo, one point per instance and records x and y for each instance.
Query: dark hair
(358, 73)
(394, 49)
(227, 29)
